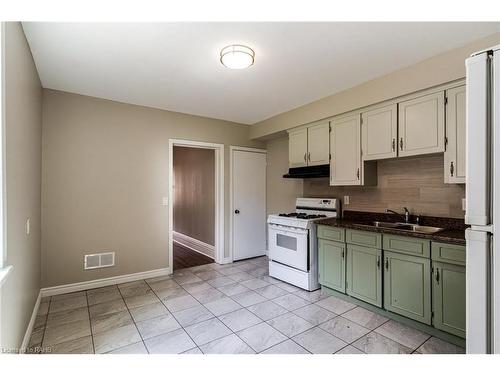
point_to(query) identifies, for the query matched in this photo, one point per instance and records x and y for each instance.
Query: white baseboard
(76, 287)
(31, 324)
(194, 244)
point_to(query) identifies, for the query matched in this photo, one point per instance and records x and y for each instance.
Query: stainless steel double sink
(407, 227)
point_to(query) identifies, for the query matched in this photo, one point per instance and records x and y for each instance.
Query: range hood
(309, 172)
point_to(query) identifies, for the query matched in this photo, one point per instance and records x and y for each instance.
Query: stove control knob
(236, 211)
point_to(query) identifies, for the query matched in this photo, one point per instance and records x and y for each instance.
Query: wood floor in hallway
(185, 258)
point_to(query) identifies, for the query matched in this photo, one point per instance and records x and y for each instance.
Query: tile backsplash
(416, 183)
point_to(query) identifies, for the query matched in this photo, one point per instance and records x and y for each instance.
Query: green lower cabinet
(448, 283)
(407, 286)
(332, 264)
(364, 274)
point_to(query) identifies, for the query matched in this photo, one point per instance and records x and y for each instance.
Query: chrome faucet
(406, 214)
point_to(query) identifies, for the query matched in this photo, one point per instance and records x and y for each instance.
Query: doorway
(196, 230)
(248, 202)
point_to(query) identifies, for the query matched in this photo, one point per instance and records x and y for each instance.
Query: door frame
(231, 193)
(219, 196)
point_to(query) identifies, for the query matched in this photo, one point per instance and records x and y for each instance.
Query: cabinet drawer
(448, 253)
(331, 233)
(359, 237)
(407, 245)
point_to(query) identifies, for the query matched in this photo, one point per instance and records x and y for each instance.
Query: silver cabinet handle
(401, 144)
(378, 262)
(357, 174)
(305, 156)
(386, 263)
(393, 144)
(452, 169)
(437, 276)
(309, 156)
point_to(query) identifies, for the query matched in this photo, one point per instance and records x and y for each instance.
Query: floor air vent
(101, 260)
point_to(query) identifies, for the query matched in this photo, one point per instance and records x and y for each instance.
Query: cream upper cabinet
(297, 147)
(421, 125)
(454, 156)
(379, 132)
(318, 145)
(345, 146)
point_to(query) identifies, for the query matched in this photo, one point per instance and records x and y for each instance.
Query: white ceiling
(175, 66)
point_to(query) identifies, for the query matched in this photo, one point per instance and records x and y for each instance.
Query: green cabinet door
(364, 274)
(332, 264)
(407, 286)
(448, 283)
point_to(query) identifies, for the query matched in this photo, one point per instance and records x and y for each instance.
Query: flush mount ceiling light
(237, 56)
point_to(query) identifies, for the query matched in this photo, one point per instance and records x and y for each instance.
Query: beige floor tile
(240, 319)
(438, 346)
(193, 315)
(66, 332)
(104, 323)
(405, 335)
(349, 349)
(207, 331)
(374, 343)
(104, 296)
(134, 288)
(163, 284)
(267, 310)
(107, 308)
(233, 289)
(314, 314)
(148, 311)
(68, 303)
(231, 344)
(290, 324)
(344, 329)
(208, 275)
(186, 278)
(157, 326)
(62, 297)
(254, 283)
(82, 345)
(170, 343)
(170, 293)
(116, 338)
(261, 336)
(291, 302)
(365, 317)
(335, 305)
(318, 341)
(208, 295)
(137, 348)
(221, 281)
(241, 276)
(67, 316)
(199, 286)
(271, 292)
(248, 298)
(181, 303)
(43, 309)
(286, 347)
(222, 306)
(143, 299)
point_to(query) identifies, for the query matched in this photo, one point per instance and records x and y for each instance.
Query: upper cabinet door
(318, 144)
(345, 146)
(421, 125)
(297, 148)
(454, 156)
(380, 133)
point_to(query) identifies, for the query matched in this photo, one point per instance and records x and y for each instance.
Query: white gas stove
(293, 251)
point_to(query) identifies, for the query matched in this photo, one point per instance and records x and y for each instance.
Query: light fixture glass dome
(237, 56)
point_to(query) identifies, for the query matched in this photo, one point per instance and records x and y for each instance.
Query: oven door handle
(284, 229)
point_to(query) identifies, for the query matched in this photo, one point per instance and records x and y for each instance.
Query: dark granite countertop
(454, 232)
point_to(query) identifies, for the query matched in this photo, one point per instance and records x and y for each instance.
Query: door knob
(236, 211)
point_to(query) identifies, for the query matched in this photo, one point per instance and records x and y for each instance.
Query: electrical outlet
(346, 199)
(28, 226)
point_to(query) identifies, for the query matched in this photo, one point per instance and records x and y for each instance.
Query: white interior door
(249, 204)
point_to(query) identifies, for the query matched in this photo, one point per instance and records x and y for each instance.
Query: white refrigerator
(483, 201)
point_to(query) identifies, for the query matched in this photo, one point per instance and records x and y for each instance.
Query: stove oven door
(289, 246)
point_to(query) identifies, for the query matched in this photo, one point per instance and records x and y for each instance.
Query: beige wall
(443, 68)
(281, 192)
(416, 183)
(105, 171)
(194, 193)
(23, 132)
